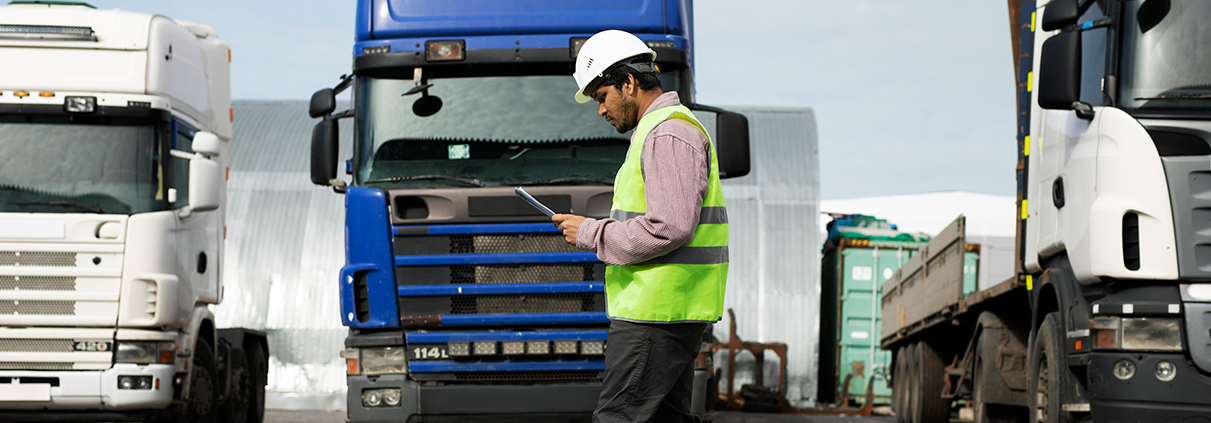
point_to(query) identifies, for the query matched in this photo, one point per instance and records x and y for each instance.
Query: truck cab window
(182, 140)
(1093, 56)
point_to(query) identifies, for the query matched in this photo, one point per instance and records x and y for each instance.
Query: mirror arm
(346, 81)
(1083, 110)
(339, 186)
(705, 108)
(341, 115)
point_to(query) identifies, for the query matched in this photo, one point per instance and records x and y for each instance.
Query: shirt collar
(667, 99)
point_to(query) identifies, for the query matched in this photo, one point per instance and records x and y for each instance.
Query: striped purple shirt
(676, 169)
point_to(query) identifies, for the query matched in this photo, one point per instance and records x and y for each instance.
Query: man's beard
(628, 117)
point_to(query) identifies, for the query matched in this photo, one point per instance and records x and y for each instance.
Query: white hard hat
(600, 53)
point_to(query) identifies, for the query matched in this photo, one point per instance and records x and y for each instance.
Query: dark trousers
(649, 372)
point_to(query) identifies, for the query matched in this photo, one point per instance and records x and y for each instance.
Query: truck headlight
(142, 352)
(381, 397)
(377, 361)
(1155, 334)
(1136, 334)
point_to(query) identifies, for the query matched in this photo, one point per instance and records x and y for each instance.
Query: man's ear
(631, 86)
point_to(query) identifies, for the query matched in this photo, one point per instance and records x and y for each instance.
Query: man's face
(617, 106)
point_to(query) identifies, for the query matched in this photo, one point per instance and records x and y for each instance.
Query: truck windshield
(1166, 64)
(76, 168)
(504, 130)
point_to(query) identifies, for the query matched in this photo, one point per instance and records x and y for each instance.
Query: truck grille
(501, 274)
(38, 307)
(38, 283)
(577, 375)
(37, 345)
(518, 273)
(38, 258)
(29, 365)
(533, 303)
(527, 243)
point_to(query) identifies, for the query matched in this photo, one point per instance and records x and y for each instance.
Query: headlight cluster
(135, 382)
(1136, 334)
(562, 347)
(142, 352)
(381, 397)
(384, 360)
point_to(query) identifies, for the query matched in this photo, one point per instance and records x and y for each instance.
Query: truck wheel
(258, 374)
(930, 406)
(897, 359)
(202, 406)
(1043, 386)
(911, 393)
(897, 385)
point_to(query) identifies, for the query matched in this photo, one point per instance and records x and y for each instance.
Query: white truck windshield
(75, 168)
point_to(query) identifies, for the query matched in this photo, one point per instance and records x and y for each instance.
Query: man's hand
(569, 224)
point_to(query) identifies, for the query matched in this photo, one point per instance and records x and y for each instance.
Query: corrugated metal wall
(774, 276)
(284, 249)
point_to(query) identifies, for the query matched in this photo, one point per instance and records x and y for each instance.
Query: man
(665, 242)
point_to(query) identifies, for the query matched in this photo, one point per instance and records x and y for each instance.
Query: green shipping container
(852, 275)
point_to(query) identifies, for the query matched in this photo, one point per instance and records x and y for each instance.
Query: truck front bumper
(1143, 396)
(467, 403)
(91, 390)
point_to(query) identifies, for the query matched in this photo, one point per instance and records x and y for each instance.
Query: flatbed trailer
(927, 318)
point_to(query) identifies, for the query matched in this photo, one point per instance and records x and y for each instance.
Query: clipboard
(533, 202)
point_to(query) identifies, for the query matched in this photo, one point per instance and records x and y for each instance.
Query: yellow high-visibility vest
(687, 284)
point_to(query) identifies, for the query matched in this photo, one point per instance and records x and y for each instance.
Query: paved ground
(317, 416)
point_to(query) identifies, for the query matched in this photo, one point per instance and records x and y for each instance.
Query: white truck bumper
(87, 390)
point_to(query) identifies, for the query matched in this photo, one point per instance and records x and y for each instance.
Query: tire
(258, 367)
(911, 391)
(202, 405)
(929, 382)
(899, 367)
(1043, 391)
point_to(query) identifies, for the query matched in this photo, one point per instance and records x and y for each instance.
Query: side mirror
(325, 139)
(207, 143)
(323, 102)
(1060, 71)
(1060, 13)
(205, 183)
(732, 146)
(731, 139)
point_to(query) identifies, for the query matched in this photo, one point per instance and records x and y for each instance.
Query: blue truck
(462, 300)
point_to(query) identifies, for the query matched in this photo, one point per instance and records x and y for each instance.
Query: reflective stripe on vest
(687, 284)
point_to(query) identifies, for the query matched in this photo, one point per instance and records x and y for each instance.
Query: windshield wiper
(1177, 97)
(468, 181)
(86, 207)
(575, 179)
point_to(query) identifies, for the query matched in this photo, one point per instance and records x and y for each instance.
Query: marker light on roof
(448, 50)
(47, 31)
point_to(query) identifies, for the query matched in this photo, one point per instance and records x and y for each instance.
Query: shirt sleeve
(676, 169)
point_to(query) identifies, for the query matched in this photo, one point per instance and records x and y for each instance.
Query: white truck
(114, 128)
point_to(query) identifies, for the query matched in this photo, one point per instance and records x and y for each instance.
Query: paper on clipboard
(533, 202)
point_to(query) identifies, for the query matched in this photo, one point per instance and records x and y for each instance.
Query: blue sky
(909, 96)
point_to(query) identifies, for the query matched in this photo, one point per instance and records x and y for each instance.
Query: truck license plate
(24, 392)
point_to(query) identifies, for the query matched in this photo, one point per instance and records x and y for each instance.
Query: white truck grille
(38, 258)
(37, 307)
(38, 283)
(33, 365)
(37, 345)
